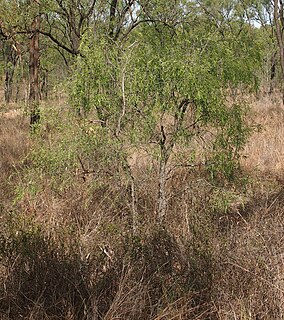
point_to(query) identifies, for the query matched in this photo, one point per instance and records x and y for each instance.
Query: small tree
(165, 90)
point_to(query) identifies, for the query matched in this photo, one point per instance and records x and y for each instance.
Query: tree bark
(162, 196)
(135, 220)
(279, 25)
(10, 60)
(112, 13)
(8, 85)
(34, 73)
(272, 71)
(44, 84)
(166, 149)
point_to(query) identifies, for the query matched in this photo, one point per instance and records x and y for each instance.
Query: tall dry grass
(68, 251)
(265, 150)
(14, 145)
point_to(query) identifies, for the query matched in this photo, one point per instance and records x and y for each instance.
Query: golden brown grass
(265, 150)
(14, 145)
(250, 282)
(68, 252)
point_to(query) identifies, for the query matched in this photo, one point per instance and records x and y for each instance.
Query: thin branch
(123, 103)
(59, 43)
(137, 23)
(122, 17)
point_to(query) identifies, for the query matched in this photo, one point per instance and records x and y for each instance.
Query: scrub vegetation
(141, 157)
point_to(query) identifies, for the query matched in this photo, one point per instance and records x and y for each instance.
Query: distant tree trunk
(10, 61)
(8, 85)
(279, 25)
(34, 73)
(18, 87)
(272, 72)
(44, 84)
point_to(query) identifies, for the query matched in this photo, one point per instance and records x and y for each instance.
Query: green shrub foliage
(174, 82)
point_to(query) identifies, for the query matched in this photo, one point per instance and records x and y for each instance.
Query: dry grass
(68, 252)
(250, 283)
(14, 145)
(265, 150)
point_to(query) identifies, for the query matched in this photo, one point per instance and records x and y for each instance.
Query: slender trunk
(11, 58)
(20, 80)
(75, 32)
(34, 73)
(44, 84)
(135, 222)
(17, 91)
(8, 85)
(112, 13)
(162, 198)
(272, 72)
(162, 194)
(166, 149)
(279, 24)
(133, 205)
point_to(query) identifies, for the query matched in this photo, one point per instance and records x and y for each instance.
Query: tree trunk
(162, 198)
(8, 85)
(272, 72)
(11, 58)
(166, 149)
(112, 12)
(44, 84)
(162, 194)
(34, 73)
(279, 24)
(135, 220)
(75, 29)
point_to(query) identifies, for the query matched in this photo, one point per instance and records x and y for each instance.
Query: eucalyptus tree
(262, 13)
(11, 50)
(11, 55)
(65, 22)
(279, 30)
(22, 19)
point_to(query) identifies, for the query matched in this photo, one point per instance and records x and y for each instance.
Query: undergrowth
(69, 251)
